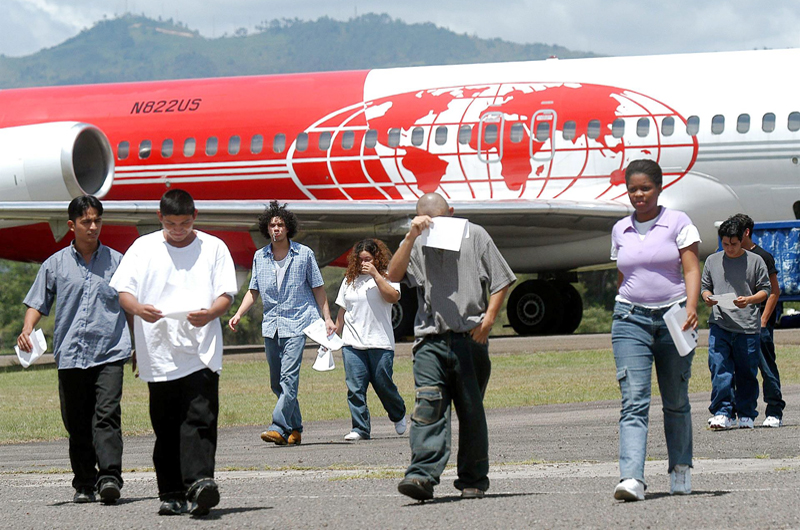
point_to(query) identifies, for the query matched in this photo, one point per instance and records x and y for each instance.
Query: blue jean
(770, 376)
(284, 356)
(640, 338)
(733, 360)
(362, 367)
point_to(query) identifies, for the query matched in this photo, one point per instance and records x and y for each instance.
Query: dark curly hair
(276, 210)
(380, 254)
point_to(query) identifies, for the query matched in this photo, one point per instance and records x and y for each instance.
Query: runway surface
(552, 466)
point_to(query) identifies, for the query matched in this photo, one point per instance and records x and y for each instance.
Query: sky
(609, 27)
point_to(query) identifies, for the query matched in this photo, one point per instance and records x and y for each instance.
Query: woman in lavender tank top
(656, 254)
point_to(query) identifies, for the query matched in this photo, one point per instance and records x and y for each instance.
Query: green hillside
(135, 48)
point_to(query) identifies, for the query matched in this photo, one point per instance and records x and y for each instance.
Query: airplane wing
(331, 227)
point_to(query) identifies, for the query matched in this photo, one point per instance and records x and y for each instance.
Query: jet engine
(55, 161)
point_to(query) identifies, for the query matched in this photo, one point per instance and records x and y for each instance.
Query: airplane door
(490, 137)
(543, 129)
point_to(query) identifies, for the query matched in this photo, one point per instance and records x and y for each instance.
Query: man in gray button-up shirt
(91, 343)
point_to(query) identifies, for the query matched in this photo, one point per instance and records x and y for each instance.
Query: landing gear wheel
(404, 312)
(535, 308)
(573, 306)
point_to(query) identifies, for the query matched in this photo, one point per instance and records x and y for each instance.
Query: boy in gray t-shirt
(734, 340)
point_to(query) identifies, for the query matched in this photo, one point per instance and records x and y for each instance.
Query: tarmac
(552, 466)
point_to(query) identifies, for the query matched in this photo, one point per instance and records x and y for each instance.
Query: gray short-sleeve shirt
(454, 287)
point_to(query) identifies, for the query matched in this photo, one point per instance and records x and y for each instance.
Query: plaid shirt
(288, 310)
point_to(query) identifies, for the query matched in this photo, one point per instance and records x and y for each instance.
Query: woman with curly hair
(365, 321)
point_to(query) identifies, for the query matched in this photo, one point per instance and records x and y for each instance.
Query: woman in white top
(365, 322)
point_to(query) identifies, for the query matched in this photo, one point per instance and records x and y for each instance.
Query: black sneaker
(173, 507)
(204, 495)
(472, 493)
(109, 491)
(84, 495)
(416, 488)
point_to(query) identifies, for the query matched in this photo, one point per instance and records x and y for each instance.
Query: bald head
(433, 205)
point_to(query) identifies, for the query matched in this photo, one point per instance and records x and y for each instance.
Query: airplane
(533, 151)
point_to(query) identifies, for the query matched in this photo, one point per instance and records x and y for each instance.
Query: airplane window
(517, 132)
(324, 141)
(794, 121)
(279, 143)
(394, 137)
(618, 128)
(464, 134)
(542, 131)
(718, 124)
(302, 142)
(768, 122)
(569, 130)
(122, 150)
(348, 139)
(166, 148)
(417, 135)
(234, 143)
(490, 133)
(211, 146)
(593, 130)
(371, 139)
(743, 123)
(189, 147)
(441, 135)
(144, 149)
(692, 125)
(256, 144)
(668, 126)
(643, 127)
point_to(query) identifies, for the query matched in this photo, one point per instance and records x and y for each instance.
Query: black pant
(184, 417)
(90, 408)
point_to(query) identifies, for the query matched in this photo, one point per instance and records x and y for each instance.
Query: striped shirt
(290, 307)
(455, 286)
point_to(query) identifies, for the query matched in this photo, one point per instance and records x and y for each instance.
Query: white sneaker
(400, 426)
(746, 423)
(720, 422)
(629, 489)
(772, 421)
(680, 480)
(353, 436)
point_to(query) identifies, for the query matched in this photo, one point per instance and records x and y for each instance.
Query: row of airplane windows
(465, 134)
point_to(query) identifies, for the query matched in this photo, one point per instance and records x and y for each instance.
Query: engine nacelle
(54, 162)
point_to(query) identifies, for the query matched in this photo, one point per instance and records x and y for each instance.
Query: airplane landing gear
(539, 307)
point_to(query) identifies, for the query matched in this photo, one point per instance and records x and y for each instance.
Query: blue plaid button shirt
(288, 310)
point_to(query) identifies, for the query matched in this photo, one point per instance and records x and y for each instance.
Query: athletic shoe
(710, 420)
(84, 495)
(401, 426)
(352, 436)
(746, 423)
(472, 493)
(629, 490)
(204, 495)
(680, 480)
(109, 491)
(295, 438)
(173, 507)
(274, 437)
(720, 422)
(416, 488)
(773, 421)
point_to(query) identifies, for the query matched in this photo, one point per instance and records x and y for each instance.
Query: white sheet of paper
(685, 341)
(179, 314)
(317, 332)
(725, 301)
(445, 233)
(324, 361)
(39, 347)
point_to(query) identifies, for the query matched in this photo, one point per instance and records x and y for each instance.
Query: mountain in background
(136, 48)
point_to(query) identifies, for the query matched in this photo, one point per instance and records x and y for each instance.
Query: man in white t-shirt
(178, 282)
